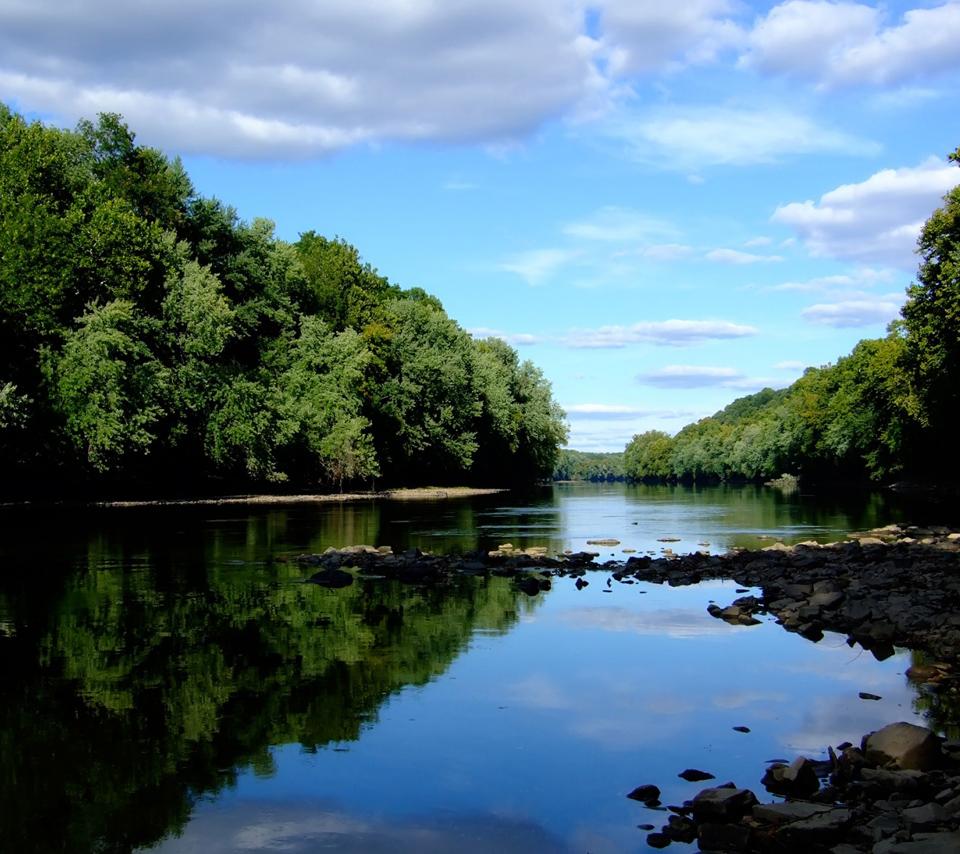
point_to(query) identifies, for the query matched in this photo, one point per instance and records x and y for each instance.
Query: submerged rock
(332, 578)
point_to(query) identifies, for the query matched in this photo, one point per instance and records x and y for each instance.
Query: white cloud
(855, 282)
(735, 256)
(757, 241)
(621, 225)
(690, 376)
(680, 623)
(299, 79)
(538, 265)
(840, 44)
(516, 339)
(875, 221)
(695, 136)
(790, 365)
(648, 36)
(855, 312)
(673, 333)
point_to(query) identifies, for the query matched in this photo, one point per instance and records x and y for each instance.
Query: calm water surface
(169, 684)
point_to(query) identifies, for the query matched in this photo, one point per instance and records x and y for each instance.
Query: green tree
(931, 322)
(108, 385)
(649, 455)
(320, 399)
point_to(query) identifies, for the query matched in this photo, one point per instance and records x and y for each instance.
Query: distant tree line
(891, 408)
(589, 465)
(148, 334)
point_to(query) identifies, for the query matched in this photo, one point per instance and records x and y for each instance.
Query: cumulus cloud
(855, 312)
(736, 256)
(538, 265)
(671, 333)
(690, 137)
(839, 44)
(648, 36)
(875, 221)
(516, 339)
(299, 79)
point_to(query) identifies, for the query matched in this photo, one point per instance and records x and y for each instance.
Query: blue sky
(663, 205)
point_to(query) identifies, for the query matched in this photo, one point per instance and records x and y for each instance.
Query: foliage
(586, 465)
(148, 333)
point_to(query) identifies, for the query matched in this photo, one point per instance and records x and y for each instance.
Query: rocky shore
(898, 792)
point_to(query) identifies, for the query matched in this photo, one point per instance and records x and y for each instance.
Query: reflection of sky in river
(529, 741)
(713, 518)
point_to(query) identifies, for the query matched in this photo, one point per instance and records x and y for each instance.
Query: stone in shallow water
(646, 792)
(693, 775)
(798, 779)
(904, 745)
(333, 578)
(723, 804)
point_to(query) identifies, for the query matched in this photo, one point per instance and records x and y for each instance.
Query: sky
(663, 205)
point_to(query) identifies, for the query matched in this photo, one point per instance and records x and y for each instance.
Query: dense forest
(589, 465)
(148, 335)
(889, 409)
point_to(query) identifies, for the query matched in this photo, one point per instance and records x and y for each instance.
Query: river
(171, 684)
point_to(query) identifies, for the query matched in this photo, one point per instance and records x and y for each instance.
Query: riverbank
(424, 493)
(898, 792)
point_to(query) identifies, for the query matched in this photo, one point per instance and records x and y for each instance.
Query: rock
(785, 813)
(927, 843)
(723, 837)
(883, 826)
(680, 829)
(332, 578)
(581, 583)
(692, 775)
(797, 780)
(658, 840)
(723, 804)
(603, 542)
(825, 600)
(866, 695)
(904, 745)
(529, 585)
(821, 829)
(645, 826)
(926, 817)
(647, 792)
(741, 729)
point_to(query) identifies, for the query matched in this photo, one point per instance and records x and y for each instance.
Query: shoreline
(898, 792)
(419, 493)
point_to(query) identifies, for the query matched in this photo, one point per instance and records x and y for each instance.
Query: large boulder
(904, 745)
(723, 804)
